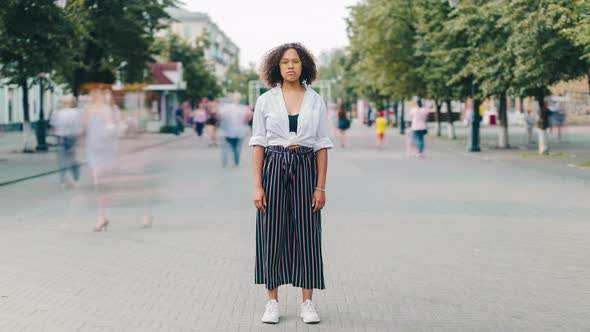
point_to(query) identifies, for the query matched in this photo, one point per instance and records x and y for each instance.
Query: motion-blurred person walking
(290, 160)
(101, 123)
(343, 125)
(199, 119)
(233, 119)
(179, 116)
(530, 119)
(419, 116)
(212, 122)
(67, 126)
(380, 124)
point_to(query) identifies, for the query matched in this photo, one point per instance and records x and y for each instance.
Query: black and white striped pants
(288, 235)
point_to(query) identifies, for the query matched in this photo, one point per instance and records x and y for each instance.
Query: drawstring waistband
(301, 150)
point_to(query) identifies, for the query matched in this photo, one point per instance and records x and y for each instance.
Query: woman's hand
(319, 200)
(259, 199)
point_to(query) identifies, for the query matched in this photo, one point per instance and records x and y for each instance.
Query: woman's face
(290, 65)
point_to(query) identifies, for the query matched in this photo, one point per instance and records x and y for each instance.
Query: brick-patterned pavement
(445, 243)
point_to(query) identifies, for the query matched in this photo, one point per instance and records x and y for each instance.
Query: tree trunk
(437, 117)
(543, 123)
(28, 145)
(503, 117)
(451, 126)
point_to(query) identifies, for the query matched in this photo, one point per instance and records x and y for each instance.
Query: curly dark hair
(271, 73)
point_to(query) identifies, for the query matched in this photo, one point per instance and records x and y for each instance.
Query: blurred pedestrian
(560, 119)
(199, 119)
(333, 117)
(419, 116)
(250, 117)
(293, 152)
(179, 116)
(381, 124)
(530, 119)
(101, 123)
(233, 122)
(67, 126)
(370, 115)
(212, 122)
(343, 125)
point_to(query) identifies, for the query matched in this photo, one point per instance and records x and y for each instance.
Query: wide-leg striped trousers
(288, 234)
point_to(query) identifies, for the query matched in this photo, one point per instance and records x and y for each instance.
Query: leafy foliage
(119, 38)
(382, 38)
(236, 79)
(336, 66)
(36, 36)
(201, 83)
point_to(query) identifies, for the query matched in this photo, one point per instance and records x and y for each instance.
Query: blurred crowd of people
(94, 121)
(225, 124)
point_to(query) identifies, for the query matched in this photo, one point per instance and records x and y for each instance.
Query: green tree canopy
(336, 66)
(382, 38)
(236, 79)
(35, 36)
(119, 39)
(198, 74)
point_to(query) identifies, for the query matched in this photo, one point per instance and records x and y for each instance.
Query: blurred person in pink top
(419, 116)
(199, 119)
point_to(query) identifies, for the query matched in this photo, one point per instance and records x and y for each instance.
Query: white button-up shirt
(270, 125)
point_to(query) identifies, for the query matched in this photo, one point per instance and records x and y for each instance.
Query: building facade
(11, 103)
(191, 26)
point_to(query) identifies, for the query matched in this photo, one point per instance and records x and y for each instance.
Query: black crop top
(293, 123)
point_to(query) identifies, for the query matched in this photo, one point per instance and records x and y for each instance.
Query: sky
(256, 26)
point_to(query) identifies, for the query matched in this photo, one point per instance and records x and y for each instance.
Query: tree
(491, 63)
(573, 21)
(236, 79)
(382, 37)
(382, 34)
(439, 49)
(542, 55)
(200, 81)
(336, 67)
(119, 39)
(36, 36)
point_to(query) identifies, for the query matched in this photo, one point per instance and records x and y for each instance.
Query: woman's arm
(257, 160)
(322, 160)
(258, 143)
(321, 146)
(319, 196)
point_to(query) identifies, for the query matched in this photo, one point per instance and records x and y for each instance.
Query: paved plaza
(451, 242)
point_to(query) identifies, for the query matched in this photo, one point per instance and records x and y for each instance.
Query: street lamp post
(40, 129)
(476, 118)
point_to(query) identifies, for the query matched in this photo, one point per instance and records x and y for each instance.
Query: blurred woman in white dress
(101, 143)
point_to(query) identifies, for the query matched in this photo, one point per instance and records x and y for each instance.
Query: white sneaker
(271, 312)
(309, 313)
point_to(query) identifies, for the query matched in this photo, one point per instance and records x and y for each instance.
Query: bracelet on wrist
(320, 189)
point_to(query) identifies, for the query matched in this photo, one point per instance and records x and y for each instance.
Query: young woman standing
(290, 162)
